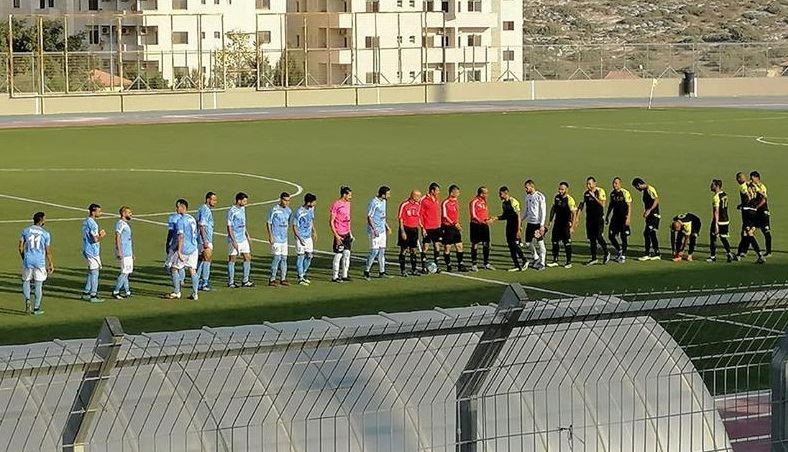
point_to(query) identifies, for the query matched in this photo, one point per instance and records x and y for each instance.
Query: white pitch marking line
(504, 283)
(769, 118)
(771, 143)
(299, 189)
(661, 132)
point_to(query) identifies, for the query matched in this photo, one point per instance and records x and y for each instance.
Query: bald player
(409, 217)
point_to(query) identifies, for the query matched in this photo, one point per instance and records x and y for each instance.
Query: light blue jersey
(377, 212)
(279, 218)
(187, 227)
(304, 221)
(123, 229)
(35, 242)
(205, 219)
(90, 247)
(236, 219)
(172, 231)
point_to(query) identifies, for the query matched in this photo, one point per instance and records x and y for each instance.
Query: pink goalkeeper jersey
(340, 211)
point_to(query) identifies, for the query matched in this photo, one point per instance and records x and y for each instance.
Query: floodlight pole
(481, 361)
(91, 389)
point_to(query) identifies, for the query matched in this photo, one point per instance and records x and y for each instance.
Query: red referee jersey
(410, 213)
(478, 210)
(450, 213)
(430, 212)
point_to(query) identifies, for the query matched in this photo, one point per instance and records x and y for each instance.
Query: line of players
(425, 223)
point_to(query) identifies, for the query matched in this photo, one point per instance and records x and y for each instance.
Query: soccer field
(61, 171)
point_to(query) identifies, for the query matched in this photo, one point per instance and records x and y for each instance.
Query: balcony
(471, 20)
(334, 56)
(458, 55)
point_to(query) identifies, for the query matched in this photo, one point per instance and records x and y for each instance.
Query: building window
(371, 42)
(180, 4)
(180, 37)
(263, 4)
(93, 34)
(474, 40)
(215, 2)
(373, 7)
(399, 3)
(217, 35)
(373, 77)
(475, 5)
(42, 4)
(263, 37)
(412, 39)
(508, 25)
(412, 3)
(508, 55)
(92, 5)
(51, 3)
(202, 35)
(16, 3)
(412, 74)
(445, 6)
(473, 76)
(202, 1)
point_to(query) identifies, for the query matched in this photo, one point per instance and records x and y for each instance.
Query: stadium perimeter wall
(360, 95)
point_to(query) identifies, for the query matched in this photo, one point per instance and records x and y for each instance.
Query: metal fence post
(779, 391)
(91, 390)
(481, 362)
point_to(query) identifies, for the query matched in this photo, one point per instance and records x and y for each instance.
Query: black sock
(624, 244)
(593, 248)
(486, 253)
(726, 245)
(647, 240)
(555, 251)
(568, 251)
(447, 259)
(712, 245)
(655, 242)
(473, 255)
(460, 256)
(402, 261)
(767, 236)
(614, 242)
(424, 259)
(754, 244)
(413, 263)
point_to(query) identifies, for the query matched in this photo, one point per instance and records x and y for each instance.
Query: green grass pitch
(678, 151)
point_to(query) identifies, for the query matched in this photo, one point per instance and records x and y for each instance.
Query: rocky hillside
(667, 21)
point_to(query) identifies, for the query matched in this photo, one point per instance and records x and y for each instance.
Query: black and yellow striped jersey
(743, 195)
(593, 208)
(719, 202)
(761, 188)
(650, 196)
(564, 208)
(511, 210)
(619, 202)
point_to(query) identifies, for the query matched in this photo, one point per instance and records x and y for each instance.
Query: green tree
(238, 59)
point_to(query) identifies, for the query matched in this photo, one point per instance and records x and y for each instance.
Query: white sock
(542, 252)
(335, 267)
(345, 263)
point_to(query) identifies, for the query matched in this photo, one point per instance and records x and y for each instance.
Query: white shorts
(243, 248)
(279, 249)
(170, 260)
(188, 261)
(377, 242)
(36, 274)
(126, 265)
(307, 247)
(94, 263)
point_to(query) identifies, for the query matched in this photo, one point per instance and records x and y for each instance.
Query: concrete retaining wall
(460, 92)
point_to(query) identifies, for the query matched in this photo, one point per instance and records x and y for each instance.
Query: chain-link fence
(622, 61)
(676, 372)
(201, 52)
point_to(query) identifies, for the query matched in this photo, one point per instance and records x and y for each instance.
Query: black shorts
(480, 233)
(346, 244)
(724, 230)
(652, 222)
(411, 238)
(512, 232)
(432, 236)
(562, 233)
(530, 232)
(451, 235)
(764, 220)
(619, 227)
(750, 219)
(696, 227)
(595, 228)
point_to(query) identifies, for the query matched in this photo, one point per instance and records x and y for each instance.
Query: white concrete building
(332, 41)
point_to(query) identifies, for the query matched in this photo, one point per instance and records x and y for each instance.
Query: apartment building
(334, 41)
